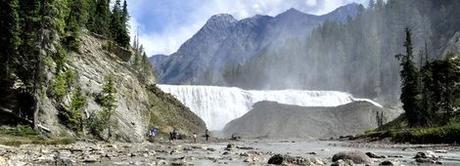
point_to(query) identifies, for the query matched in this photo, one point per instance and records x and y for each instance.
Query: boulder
(389, 163)
(426, 155)
(230, 147)
(357, 157)
(373, 155)
(279, 159)
(343, 163)
(276, 159)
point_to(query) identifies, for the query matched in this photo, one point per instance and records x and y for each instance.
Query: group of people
(174, 135)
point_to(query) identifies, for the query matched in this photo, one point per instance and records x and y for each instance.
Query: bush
(62, 83)
(59, 87)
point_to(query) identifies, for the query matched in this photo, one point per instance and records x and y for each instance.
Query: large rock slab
(273, 120)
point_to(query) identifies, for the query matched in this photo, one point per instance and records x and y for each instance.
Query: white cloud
(175, 33)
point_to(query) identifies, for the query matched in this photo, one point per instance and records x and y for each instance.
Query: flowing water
(219, 105)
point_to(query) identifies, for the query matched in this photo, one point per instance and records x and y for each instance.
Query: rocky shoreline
(246, 152)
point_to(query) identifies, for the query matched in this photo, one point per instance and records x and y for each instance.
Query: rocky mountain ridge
(224, 43)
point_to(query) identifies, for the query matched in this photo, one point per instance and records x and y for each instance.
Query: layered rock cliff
(140, 104)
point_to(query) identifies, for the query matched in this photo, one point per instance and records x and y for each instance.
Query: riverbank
(244, 152)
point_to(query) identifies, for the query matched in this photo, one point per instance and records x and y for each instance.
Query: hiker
(194, 137)
(175, 134)
(206, 135)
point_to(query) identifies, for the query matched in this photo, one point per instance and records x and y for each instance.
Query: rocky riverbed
(248, 152)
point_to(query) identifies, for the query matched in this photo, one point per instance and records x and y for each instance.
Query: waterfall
(219, 105)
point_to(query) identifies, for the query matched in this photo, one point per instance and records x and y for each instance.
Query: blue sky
(163, 25)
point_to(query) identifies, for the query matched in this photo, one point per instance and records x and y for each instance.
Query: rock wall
(140, 105)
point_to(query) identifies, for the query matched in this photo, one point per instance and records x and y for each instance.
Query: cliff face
(140, 105)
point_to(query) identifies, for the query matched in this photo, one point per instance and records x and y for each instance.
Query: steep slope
(140, 105)
(223, 44)
(274, 120)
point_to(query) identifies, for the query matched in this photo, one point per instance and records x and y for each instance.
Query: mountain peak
(292, 12)
(222, 18)
(342, 13)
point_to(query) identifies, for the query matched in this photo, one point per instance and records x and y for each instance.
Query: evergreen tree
(115, 21)
(146, 67)
(77, 106)
(74, 22)
(409, 83)
(125, 13)
(9, 41)
(118, 24)
(108, 103)
(30, 24)
(90, 23)
(124, 37)
(101, 18)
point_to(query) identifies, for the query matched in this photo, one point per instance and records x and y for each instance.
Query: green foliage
(108, 100)
(60, 58)
(100, 18)
(26, 135)
(9, 42)
(410, 84)
(74, 22)
(77, 107)
(62, 84)
(30, 24)
(101, 121)
(59, 87)
(118, 24)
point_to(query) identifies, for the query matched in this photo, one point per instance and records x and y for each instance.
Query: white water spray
(219, 105)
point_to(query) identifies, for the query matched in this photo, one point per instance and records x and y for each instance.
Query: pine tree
(9, 40)
(101, 17)
(115, 21)
(90, 23)
(77, 106)
(108, 103)
(30, 24)
(118, 24)
(74, 22)
(410, 95)
(124, 37)
(125, 13)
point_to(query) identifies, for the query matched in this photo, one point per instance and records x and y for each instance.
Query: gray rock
(343, 163)
(279, 159)
(389, 163)
(426, 155)
(373, 155)
(357, 157)
(230, 147)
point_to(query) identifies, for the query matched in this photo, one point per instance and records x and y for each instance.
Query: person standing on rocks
(206, 135)
(194, 137)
